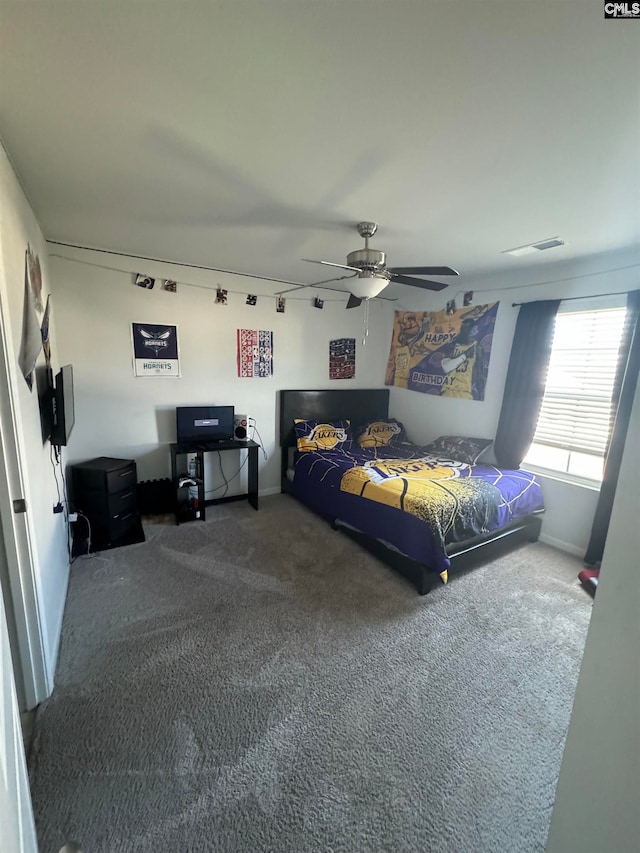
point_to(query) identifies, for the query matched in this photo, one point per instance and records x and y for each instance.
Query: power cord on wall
(81, 544)
(76, 541)
(53, 451)
(251, 424)
(256, 431)
(227, 480)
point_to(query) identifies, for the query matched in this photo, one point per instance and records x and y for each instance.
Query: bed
(425, 516)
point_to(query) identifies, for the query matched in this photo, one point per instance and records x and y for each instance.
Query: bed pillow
(322, 435)
(381, 432)
(459, 448)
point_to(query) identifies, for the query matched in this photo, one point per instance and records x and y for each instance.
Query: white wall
(597, 795)
(570, 508)
(120, 415)
(47, 531)
(123, 416)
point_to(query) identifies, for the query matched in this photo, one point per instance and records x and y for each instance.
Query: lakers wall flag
(442, 353)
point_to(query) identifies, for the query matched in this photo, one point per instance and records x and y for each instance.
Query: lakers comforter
(416, 502)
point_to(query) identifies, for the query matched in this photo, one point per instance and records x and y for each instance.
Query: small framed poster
(155, 350)
(342, 358)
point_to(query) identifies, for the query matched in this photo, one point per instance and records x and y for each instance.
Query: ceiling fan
(372, 275)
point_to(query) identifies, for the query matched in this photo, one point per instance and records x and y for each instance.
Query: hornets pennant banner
(442, 353)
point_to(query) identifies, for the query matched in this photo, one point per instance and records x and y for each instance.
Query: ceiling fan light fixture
(373, 274)
(368, 286)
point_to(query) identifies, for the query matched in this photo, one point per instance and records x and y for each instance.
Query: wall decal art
(251, 299)
(155, 350)
(221, 296)
(169, 285)
(342, 358)
(255, 353)
(441, 352)
(281, 303)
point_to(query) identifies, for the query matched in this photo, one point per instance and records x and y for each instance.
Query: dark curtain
(526, 379)
(621, 404)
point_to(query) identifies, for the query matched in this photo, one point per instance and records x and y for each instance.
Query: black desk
(218, 446)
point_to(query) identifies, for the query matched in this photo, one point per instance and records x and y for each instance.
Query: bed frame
(362, 404)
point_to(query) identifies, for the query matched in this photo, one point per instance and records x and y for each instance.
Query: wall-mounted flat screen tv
(63, 407)
(204, 424)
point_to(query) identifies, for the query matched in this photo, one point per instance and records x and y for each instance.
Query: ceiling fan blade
(353, 301)
(418, 282)
(320, 284)
(424, 270)
(329, 264)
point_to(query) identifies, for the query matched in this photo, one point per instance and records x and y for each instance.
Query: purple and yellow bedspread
(452, 500)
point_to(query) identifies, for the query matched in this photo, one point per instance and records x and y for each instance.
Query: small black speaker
(241, 427)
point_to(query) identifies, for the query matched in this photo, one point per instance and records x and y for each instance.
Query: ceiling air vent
(548, 244)
(531, 248)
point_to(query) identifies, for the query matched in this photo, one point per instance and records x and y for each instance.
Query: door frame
(32, 681)
(17, 827)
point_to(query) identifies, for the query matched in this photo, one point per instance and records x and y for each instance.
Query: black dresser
(104, 490)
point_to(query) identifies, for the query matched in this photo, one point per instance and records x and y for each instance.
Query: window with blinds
(575, 417)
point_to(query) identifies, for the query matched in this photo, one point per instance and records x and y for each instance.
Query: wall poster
(442, 353)
(155, 350)
(31, 340)
(342, 358)
(255, 353)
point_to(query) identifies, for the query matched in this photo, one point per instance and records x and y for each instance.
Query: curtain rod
(571, 298)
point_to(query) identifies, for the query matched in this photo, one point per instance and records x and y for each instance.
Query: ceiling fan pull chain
(365, 331)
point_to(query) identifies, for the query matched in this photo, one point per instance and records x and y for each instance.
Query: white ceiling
(248, 134)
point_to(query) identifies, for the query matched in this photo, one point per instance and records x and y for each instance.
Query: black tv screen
(203, 424)
(63, 407)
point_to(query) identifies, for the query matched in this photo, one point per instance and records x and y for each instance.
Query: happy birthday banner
(445, 353)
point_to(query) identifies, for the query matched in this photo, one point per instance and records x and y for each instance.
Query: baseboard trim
(275, 490)
(52, 660)
(567, 547)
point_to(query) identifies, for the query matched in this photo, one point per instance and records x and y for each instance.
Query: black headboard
(354, 404)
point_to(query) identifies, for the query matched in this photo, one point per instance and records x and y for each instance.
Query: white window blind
(576, 408)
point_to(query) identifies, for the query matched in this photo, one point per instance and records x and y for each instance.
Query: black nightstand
(104, 490)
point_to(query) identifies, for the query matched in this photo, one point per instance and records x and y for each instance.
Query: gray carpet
(258, 682)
